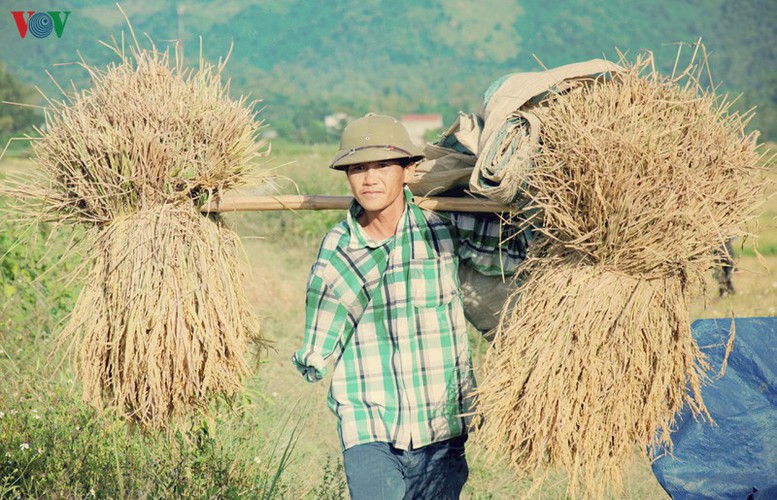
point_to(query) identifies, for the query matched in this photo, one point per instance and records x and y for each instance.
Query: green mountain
(305, 58)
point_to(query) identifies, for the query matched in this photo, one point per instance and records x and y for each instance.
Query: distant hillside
(308, 58)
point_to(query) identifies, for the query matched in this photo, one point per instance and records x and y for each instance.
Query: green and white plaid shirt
(391, 314)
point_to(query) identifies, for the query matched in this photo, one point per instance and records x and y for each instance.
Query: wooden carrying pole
(322, 202)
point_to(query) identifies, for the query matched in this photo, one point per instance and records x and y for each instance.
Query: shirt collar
(359, 238)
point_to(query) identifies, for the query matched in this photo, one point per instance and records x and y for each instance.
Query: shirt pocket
(432, 281)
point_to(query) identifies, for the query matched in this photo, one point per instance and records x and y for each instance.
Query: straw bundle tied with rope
(639, 178)
(162, 323)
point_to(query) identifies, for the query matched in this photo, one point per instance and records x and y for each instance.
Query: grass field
(50, 445)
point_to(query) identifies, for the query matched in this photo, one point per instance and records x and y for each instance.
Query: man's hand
(310, 373)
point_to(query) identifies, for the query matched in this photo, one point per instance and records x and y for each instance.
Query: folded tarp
(736, 456)
(511, 130)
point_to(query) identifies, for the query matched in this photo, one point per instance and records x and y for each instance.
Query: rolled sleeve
(326, 322)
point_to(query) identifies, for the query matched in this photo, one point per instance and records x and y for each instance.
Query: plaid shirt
(391, 314)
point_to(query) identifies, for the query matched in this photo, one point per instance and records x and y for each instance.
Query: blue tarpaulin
(736, 457)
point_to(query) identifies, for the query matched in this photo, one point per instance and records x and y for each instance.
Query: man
(724, 268)
(383, 299)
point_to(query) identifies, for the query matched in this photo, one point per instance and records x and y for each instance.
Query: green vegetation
(308, 59)
(34, 295)
(64, 449)
(14, 119)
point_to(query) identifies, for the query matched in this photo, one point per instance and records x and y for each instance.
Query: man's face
(378, 185)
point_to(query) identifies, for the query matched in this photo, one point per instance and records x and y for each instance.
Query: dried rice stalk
(638, 181)
(165, 324)
(161, 324)
(143, 134)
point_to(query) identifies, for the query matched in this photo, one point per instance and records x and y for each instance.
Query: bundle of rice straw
(162, 323)
(638, 180)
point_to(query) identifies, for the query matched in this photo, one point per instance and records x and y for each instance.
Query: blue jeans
(380, 471)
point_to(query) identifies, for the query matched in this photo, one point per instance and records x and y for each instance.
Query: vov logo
(40, 24)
